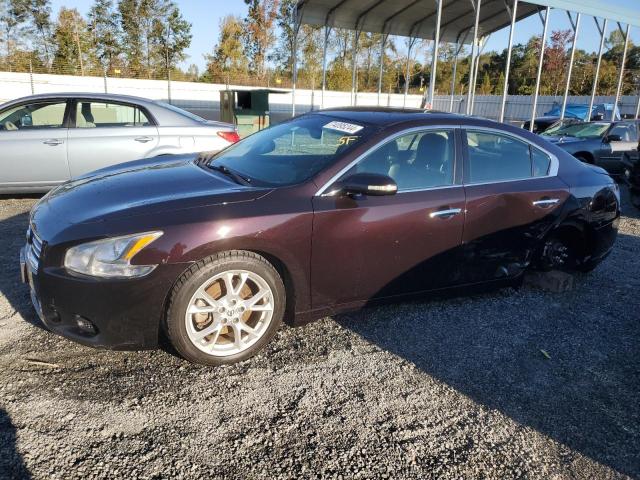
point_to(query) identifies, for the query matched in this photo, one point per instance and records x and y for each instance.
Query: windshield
(182, 112)
(291, 152)
(579, 130)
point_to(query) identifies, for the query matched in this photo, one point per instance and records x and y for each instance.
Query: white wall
(203, 98)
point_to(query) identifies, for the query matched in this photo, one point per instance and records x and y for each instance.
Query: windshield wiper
(235, 176)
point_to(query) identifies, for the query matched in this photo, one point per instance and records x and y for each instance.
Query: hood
(142, 187)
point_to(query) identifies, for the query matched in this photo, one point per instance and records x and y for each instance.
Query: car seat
(89, 120)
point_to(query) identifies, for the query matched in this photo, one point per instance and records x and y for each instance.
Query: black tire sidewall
(191, 281)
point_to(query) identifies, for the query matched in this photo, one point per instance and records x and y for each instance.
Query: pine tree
(105, 32)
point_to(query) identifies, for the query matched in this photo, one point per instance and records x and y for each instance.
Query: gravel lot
(457, 388)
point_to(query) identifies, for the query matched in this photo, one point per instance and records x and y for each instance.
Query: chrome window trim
(553, 168)
(332, 180)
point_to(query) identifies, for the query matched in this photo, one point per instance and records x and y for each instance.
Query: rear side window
(33, 116)
(540, 162)
(494, 158)
(100, 115)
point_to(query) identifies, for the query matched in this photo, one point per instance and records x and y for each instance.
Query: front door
(369, 247)
(33, 145)
(622, 138)
(513, 196)
(107, 133)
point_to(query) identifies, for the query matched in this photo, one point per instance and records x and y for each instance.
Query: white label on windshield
(343, 127)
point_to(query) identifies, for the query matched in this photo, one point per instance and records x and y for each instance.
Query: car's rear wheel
(225, 308)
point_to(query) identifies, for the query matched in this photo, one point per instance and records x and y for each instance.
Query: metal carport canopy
(417, 18)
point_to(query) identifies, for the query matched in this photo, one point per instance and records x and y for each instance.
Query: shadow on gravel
(12, 233)
(11, 464)
(490, 348)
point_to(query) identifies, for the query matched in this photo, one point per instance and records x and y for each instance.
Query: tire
(215, 295)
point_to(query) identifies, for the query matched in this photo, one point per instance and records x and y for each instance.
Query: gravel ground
(510, 384)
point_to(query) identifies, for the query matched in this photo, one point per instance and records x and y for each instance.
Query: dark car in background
(324, 213)
(598, 143)
(574, 113)
(631, 175)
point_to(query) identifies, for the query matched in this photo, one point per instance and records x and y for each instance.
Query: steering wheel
(10, 126)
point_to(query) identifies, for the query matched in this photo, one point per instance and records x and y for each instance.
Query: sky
(205, 16)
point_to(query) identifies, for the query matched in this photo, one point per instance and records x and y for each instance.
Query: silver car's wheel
(225, 308)
(229, 313)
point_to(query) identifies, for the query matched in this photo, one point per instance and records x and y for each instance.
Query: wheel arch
(587, 156)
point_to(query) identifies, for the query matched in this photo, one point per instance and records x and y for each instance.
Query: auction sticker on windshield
(343, 127)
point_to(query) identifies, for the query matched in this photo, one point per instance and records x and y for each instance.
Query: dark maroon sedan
(327, 212)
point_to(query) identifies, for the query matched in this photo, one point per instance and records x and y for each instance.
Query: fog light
(86, 325)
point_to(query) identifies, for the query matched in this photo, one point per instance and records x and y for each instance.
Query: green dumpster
(247, 109)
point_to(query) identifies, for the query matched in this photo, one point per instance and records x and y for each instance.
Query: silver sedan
(47, 139)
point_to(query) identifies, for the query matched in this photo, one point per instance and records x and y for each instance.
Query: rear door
(513, 196)
(105, 133)
(33, 144)
(368, 247)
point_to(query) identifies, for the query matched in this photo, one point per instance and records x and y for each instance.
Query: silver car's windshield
(291, 152)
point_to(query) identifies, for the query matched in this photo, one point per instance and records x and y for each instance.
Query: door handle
(53, 142)
(144, 139)
(546, 202)
(446, 213)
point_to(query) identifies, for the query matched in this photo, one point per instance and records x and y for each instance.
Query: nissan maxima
(48, 139)
(327, 212)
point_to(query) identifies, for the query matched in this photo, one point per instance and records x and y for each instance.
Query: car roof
(389, 115)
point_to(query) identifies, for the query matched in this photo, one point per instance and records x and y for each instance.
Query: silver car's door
(33, 145)
(105, 133)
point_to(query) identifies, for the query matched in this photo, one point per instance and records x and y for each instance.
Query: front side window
(100, 115)
(33, 116)
(494, 157)
(415, 161)
(292, 152)
(628, 132)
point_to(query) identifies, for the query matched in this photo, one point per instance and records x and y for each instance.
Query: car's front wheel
(225, 308)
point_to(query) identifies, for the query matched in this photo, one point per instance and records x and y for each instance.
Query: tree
(72, 43)
(282, 56)
(228, 57)
(14, 14)
(172, 35)
(259, 35)
(154, 34)
(105, 33)
(40, 16)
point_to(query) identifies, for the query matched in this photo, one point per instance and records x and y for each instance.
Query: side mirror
(372, 184)
(613, 138)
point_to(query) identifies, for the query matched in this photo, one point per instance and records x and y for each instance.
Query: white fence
(203, 98)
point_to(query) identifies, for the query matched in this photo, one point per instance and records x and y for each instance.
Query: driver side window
(415, 161)
(34, 116)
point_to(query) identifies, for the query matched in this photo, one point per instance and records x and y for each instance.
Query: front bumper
(126, 314)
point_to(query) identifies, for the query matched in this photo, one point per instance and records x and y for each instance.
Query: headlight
(110, 258)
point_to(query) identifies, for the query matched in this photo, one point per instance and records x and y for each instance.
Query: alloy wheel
(229, 312)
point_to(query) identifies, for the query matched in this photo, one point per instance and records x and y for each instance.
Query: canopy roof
(417, 18)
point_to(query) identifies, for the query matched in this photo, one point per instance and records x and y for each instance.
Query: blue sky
(205, 16)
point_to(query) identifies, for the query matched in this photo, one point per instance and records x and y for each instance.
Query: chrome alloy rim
(229, 312)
